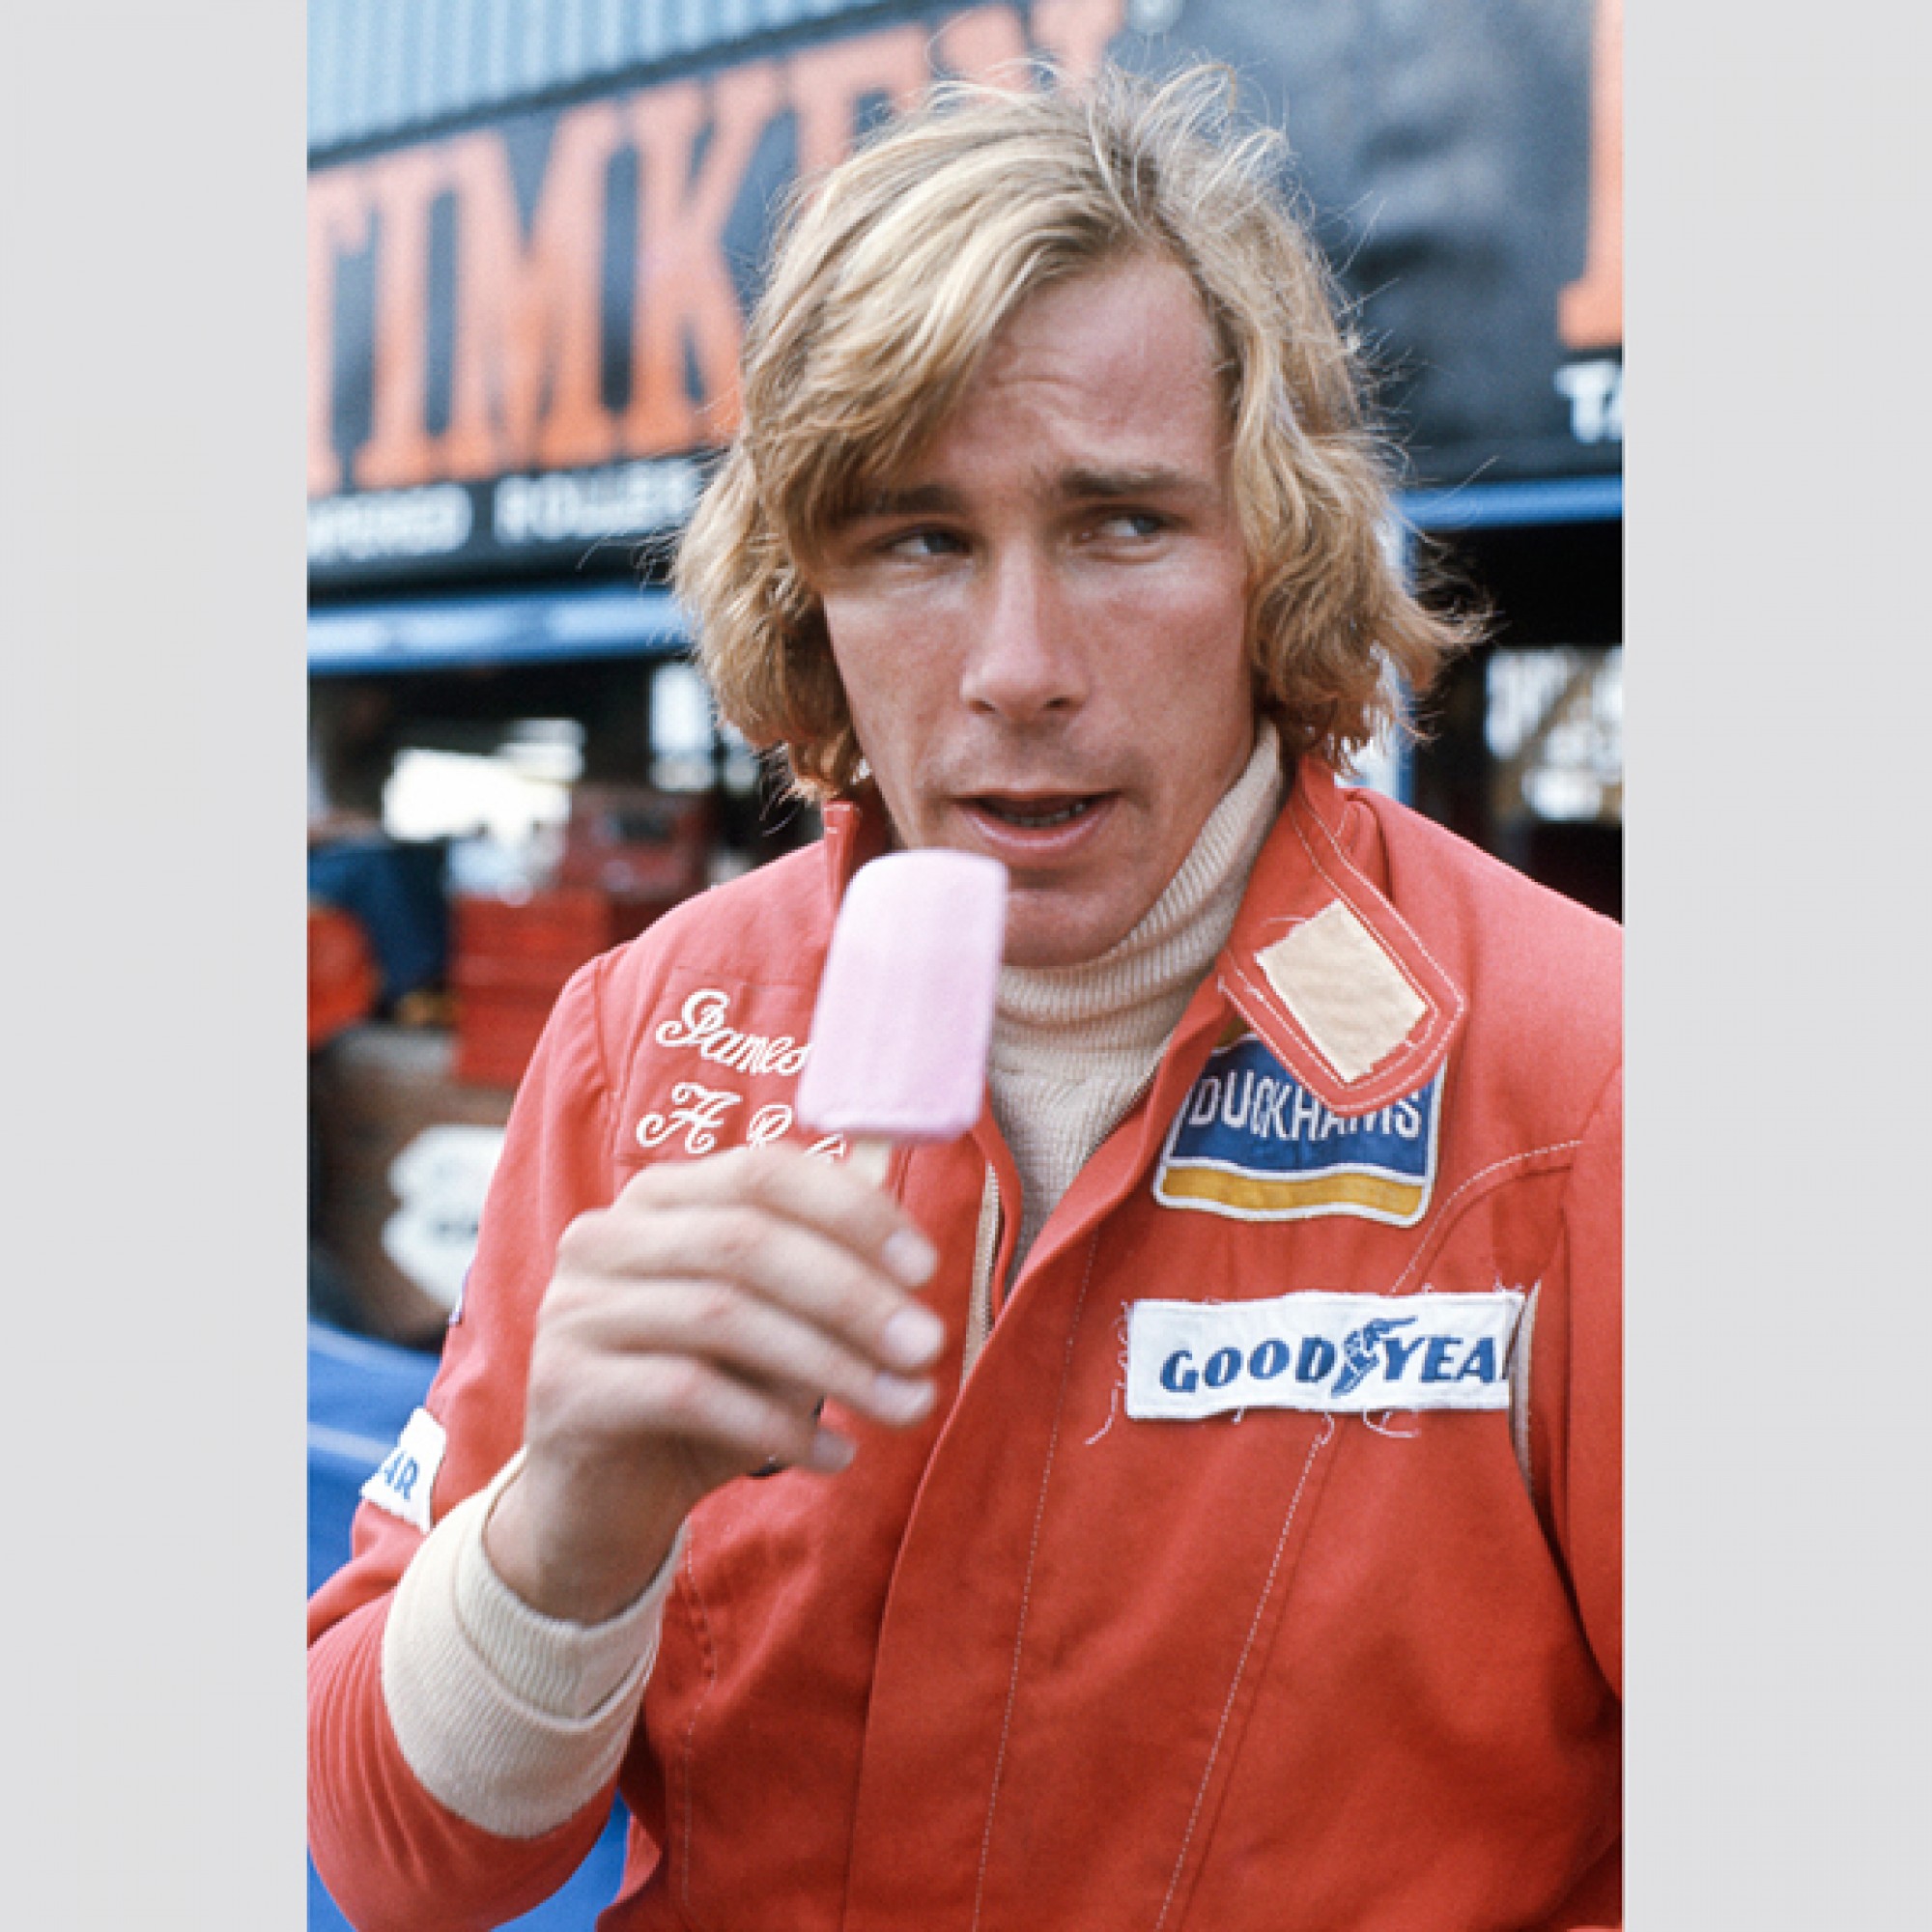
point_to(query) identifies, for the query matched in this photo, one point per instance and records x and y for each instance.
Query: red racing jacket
(1264, 1571)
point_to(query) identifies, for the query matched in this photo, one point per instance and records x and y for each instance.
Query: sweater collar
(1138, 987)
(1319, 963)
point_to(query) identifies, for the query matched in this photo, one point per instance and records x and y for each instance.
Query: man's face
(1040, 625)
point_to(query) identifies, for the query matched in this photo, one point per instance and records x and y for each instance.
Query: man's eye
(923, 543)
(1133, 524)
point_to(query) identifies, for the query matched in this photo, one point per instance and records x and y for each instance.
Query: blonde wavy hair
(894, 272)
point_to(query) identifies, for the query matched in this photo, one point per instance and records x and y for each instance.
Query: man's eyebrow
(1080, 484)
(1083, 485)
(918, 500)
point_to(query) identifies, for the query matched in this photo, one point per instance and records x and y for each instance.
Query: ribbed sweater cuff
(512, 1720)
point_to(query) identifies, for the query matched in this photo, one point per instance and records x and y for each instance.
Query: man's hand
(688, 1336)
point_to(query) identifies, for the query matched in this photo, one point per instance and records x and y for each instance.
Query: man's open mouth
(1036, 814)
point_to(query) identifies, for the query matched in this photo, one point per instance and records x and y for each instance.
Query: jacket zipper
(985, 1252)
(986, 1240)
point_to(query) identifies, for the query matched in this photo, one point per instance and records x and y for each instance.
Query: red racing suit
(1041, 1662)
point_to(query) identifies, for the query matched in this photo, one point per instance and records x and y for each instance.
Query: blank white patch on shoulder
(1346, 993)
(402, 1485)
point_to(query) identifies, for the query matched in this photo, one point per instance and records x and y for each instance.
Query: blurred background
(533, 229)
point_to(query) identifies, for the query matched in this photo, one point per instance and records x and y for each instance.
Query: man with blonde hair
(1191, 1496)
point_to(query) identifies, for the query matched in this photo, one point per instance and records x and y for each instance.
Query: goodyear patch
(1252, 1143)
(1348, 1354)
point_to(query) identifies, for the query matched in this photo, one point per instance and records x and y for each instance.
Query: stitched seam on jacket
(599, 973)
(1026, 1587)
(1321, 1442)
(702, 1625)
(1441, 1224)
(1558, 1478)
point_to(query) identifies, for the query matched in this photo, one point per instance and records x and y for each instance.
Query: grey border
(1779, 1700)
(151, 581)
(151, 600)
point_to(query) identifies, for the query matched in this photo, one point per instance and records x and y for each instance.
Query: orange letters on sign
(1590, 311)
(684, 288)
(829, 81)
(526, 378)
(1077, 31)
(399, 452)
(338, 222)
(525, 385)
(986, 45)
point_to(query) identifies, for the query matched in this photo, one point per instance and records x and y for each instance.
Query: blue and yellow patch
(1252, 1143)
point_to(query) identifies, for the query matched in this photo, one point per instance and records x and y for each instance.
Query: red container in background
(637, 843)
(511, 959)
(630, 854)
(341, 973)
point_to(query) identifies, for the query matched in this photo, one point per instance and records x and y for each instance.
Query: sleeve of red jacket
(1589, 1480)
(392, 1856)
(1578, 1417)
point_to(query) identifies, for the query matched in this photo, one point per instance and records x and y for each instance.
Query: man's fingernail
(911, 1258)
(832, 1452)
(900, 1399)
(912, 1337)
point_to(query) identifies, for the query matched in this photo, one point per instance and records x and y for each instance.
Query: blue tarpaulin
(359, 1395)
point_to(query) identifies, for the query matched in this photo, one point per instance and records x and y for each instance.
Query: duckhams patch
(1346, 1355)
(1252, 1143)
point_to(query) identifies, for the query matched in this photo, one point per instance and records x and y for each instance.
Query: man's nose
(1028, 657)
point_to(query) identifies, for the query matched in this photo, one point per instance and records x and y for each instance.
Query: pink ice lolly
(905, 1007)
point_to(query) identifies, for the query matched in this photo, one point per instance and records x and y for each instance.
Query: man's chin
(1049, 929)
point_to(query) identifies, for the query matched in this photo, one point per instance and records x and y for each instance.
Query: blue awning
(510, 627)
(495, 628)
(1491, 506)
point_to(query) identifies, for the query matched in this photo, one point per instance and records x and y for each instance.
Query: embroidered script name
(697, 1117)
(702, 1023)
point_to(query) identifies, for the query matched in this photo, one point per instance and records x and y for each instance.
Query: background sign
(523, 334)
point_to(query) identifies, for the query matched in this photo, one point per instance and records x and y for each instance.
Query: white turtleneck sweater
(514, 1719)
(1074, 1045)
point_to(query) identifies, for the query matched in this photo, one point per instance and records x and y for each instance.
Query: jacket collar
(856, 832)
(1326, 970)
(1319, 963)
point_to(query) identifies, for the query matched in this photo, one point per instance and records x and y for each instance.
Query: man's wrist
(566, 1668)
(589, 1588)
